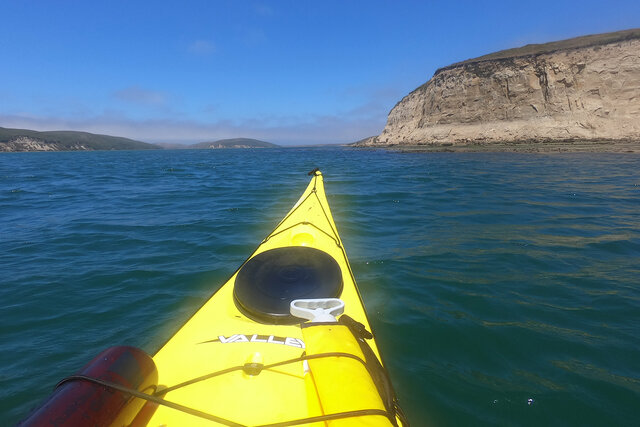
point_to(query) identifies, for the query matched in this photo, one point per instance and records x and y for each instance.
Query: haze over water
(503, 288)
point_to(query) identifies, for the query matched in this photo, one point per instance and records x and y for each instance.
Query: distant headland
(580, 94)
(235, 143)
(31, 140)
(12, 140)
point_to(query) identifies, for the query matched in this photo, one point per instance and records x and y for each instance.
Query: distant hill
(31, 140)
(234, 143)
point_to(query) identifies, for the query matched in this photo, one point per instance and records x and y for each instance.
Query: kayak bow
(236, 326)
(285, 341)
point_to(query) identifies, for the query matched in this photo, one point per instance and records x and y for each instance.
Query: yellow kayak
(285, 341)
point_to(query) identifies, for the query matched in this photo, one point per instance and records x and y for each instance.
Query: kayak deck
(223, 336)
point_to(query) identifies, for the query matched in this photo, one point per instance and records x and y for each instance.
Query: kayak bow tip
(315, 172)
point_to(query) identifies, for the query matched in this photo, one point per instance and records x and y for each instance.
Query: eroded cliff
(580, 89)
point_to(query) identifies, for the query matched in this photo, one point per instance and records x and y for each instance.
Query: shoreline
(577, 146)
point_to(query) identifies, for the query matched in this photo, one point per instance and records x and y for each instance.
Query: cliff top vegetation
(542, 48)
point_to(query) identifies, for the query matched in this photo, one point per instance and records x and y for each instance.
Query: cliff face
(589, 92)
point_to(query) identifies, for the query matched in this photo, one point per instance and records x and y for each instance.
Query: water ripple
(503, 288)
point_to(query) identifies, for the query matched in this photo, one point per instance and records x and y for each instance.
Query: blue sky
(289, 72)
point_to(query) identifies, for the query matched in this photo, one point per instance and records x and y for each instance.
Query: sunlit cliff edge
(582, 89)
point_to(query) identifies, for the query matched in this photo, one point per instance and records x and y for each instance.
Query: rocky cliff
(585, 89)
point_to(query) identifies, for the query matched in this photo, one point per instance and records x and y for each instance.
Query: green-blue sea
(504, 289)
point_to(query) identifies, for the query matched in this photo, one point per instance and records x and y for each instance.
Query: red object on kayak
(83, 403)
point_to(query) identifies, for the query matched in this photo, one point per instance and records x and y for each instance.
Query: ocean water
(503, 288)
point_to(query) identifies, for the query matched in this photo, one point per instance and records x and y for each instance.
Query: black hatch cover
(268, 282)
